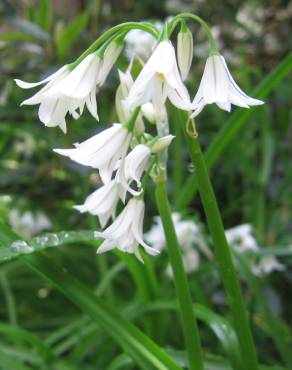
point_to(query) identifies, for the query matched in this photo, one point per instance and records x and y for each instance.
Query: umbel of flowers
(125, 154)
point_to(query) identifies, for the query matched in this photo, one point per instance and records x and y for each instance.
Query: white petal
(178, 101)
(221, 80)
(235, 90)
(29, 85)
(91, 104)
(225, 106)
(209, 82)
(79, 83)
(106, 246)
(163, 58)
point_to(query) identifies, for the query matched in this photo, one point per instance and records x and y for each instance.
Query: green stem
(189, 323)
(199, 20)
(123, 26)
(177, 155)
(224, 257)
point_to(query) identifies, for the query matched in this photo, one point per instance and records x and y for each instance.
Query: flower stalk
(223, 256)
(189, 322)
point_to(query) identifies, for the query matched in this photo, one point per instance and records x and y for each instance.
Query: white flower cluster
(190, 238)
(192, 241)
(242, 240)
(119, 171)
(75, 85)
(28, 224)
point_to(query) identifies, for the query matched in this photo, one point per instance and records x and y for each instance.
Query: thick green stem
(223, 256)
(189, 323)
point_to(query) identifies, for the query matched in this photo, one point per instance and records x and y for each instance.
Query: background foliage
(40, 328)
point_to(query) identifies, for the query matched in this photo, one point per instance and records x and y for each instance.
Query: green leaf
(8, 362)
(220, 326)
(282, 341)
(22, 335)
(65, 37)
(15, 36)
(29, 28)
(140, 347)
(231, 128)
(7, 237)
(44, 16)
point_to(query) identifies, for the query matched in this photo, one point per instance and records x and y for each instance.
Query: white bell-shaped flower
(102, 202)
(218, 86)
(69, 91)
(126, 232)
(52, 111)
(159, 80)
(102, 151)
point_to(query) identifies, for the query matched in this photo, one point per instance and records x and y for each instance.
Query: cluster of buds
(124, 154)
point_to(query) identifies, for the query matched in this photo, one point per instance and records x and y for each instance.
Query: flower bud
(162, 144)
(184, 50)
(149, 112)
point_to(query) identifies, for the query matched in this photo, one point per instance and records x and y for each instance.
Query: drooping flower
(102, 202)
(126, 232)
(58, 111)
(102, 151)
(218, 86)
(184, 50)
(69, 91)
(159, 80)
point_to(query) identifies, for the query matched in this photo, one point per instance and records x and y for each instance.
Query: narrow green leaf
(8, 362)
(29, 28)
(20, 334)
(15, 36)
(141, 348)
(67, 35)
(282, 341)
(45, 14)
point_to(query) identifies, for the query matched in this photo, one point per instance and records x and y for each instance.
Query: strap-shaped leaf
(140, 347)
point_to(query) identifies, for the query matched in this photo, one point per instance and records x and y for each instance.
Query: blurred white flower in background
(28, 224)
(192, 240)
(139, 43)
(189, 237)
(266, 265)
(242, 240)
(252, 17)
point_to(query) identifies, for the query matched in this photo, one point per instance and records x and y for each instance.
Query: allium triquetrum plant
(130, 153)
